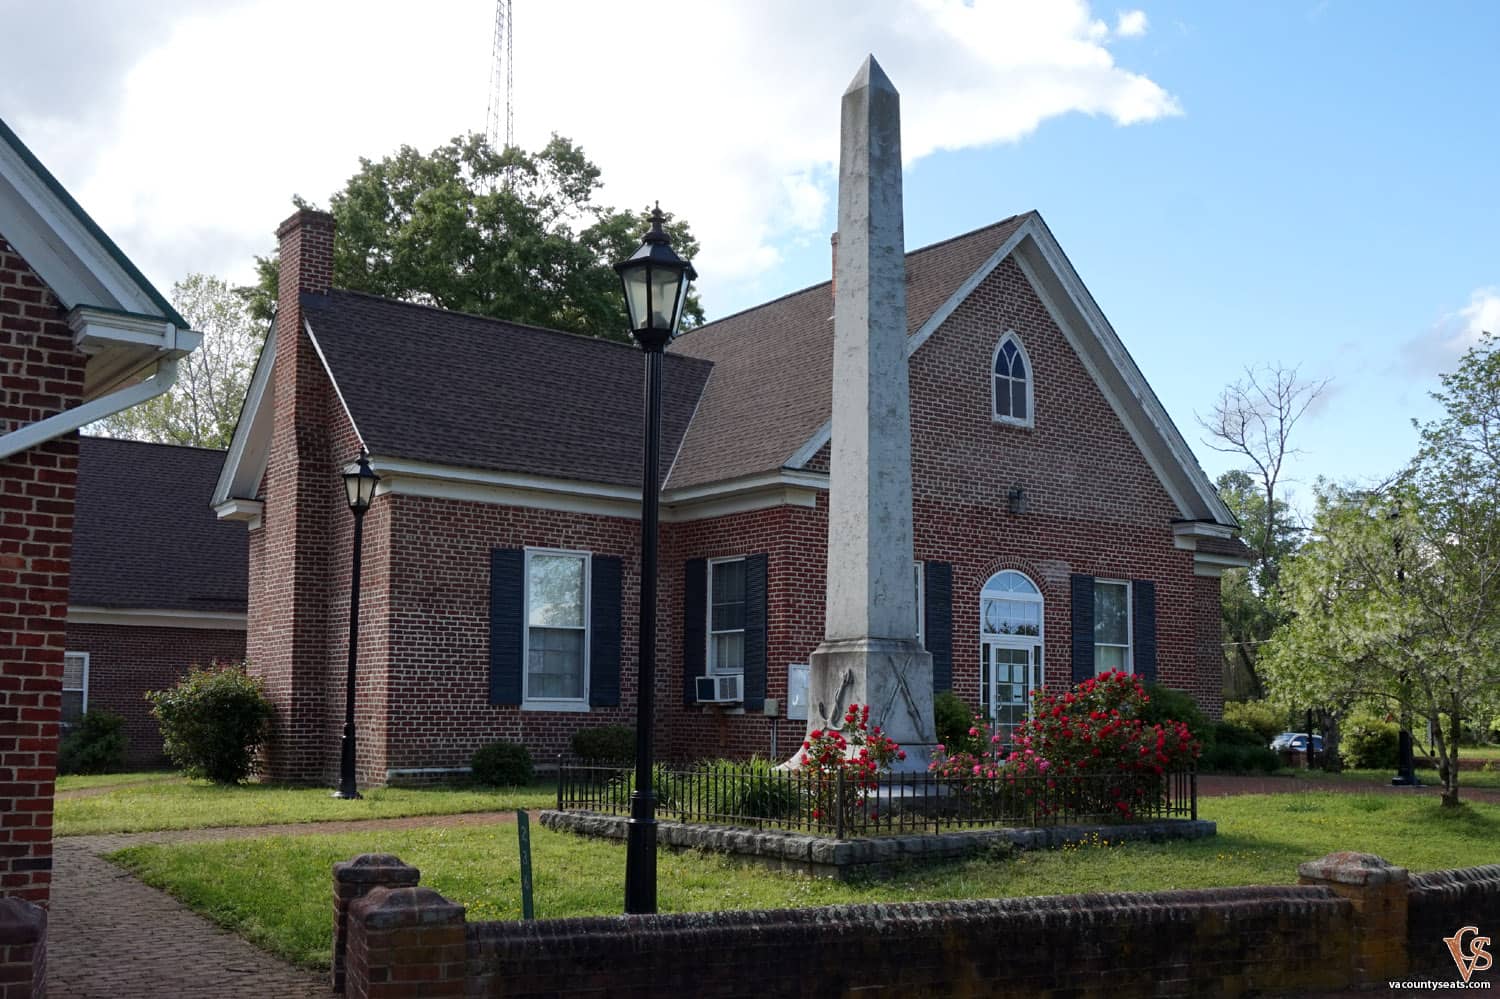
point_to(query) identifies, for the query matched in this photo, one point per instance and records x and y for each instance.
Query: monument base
(893, 676)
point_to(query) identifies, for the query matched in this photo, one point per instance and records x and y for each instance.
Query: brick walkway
(110, 936)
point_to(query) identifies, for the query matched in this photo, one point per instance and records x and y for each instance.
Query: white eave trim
(241, 509)
(787, 487)
(158, 618)
(1212, 565)
(70, 420)
(250, 447)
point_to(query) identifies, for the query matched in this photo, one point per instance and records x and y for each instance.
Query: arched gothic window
(1012, 396)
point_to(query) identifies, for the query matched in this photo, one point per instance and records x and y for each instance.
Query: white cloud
(728, 113)
(1456, 332)
(1130, 24)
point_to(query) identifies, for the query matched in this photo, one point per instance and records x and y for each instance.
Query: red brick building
(82, 335)
(1062, 523)
(157, 585)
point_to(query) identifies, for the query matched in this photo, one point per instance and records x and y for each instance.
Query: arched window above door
(1010, 605)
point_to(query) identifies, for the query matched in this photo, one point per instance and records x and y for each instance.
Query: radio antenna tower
(500, 118)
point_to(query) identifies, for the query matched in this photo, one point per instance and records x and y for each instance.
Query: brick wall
(40, 375)
(127, 661)
(1346, 926)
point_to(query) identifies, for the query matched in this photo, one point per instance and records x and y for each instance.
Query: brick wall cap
(1349, 868)
(376, 868)
(21, 922)
(302, 217)
(391, 908)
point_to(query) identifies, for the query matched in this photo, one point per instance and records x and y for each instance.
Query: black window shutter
(1083, 627)
(1143, 627)
(694, 625)
(755, 632)
(507, 604)
(937, 621)
(604, 632)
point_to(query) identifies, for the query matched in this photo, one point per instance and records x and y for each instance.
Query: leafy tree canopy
(512, 235)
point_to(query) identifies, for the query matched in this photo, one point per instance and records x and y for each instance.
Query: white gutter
(70, 420)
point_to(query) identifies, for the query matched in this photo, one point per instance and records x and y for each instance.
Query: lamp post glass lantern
(359, 487)
(655, 281)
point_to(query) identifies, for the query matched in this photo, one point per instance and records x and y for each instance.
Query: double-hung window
(1112, 626)
(557, 614)
(726, 616)
(75, 687)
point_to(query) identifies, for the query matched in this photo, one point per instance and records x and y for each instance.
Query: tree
(512, 235)
(204, 406)
(1253, 419)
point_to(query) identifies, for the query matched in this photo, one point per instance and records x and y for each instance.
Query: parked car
(1296, 742)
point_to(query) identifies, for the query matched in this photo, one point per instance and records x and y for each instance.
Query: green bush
(953, 718)
(607, 743)
(213, 722)
(1370, 744)
(743, 788)
(95, 746)
(1169, 704)
(1231, 749)
(502, 764)
(1257, 716)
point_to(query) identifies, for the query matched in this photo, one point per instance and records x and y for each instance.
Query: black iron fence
(845, 806)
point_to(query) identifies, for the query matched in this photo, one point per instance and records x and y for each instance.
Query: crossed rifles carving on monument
(901, 688)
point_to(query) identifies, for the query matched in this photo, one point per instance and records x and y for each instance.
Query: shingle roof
(1225, 546)
(428, 385)
(772, 384)
(144, 534)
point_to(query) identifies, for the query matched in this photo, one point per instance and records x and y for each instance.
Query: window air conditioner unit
(722, 689)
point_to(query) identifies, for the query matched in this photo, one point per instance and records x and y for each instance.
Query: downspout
(70, 420)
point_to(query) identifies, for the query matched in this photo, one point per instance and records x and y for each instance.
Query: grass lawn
(79, 782)
(197, 804)
(275, 890)
(1466, 778)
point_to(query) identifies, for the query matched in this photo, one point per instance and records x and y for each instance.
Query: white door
(1011, 671)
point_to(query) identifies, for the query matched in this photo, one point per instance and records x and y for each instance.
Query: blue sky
(1327, 198)
(1312, 183)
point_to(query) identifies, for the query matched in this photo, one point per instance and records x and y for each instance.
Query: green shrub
(1370, 744)
(1169, 704)
(742, 788)
(95, 746)
(502, 764)
(607, 743)
(953, 718)
(1231, 749)
(213, 722)
(1257, 716)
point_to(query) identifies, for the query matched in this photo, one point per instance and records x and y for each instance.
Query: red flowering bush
(1086, 752)
(856, 750)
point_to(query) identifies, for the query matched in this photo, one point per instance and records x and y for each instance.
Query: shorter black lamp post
(359, 483)
(656, 282)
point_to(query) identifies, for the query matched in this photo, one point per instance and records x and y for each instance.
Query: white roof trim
(1139, 410)
(250, 447)
(332, 380)
(158, 618)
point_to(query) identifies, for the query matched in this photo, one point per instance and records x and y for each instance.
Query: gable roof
(144, 535)
(772, 387)
(503, 397)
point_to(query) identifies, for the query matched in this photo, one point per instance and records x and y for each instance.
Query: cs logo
(1477, 958)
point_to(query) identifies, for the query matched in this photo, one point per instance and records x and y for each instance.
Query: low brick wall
(1441, 903)
(1354, 921)
(825, 857)
(23, 949)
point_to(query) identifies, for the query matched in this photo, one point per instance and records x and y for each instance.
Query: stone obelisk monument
(870, 653)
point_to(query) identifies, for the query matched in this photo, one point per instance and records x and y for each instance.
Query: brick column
(23, 949)
(354, 879)
(1378, 892)
(405, 942)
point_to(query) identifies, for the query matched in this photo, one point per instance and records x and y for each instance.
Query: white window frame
(529, 703)
(85, 688)
(711, 668)
(1036, 645)
(996, 416)
(920, 577)
(1129, 645)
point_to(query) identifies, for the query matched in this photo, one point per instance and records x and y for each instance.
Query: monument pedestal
(893, 676)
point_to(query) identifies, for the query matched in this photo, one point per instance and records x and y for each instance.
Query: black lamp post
(359, 483)
(656, 281)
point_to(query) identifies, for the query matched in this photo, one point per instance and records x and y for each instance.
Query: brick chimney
(287, 644)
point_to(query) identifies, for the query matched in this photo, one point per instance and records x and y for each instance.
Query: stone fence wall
(1354, 920)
